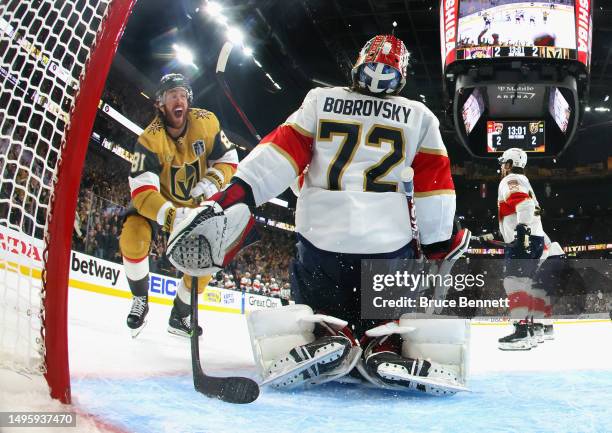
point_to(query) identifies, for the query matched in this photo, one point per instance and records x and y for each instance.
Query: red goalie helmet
(381, 65)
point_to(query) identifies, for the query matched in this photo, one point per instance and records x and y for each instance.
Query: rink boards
(23, 255)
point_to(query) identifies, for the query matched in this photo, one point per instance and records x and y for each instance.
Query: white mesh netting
(44, 47)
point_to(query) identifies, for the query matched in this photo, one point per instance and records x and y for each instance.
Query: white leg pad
(443, 341)
(275, 332)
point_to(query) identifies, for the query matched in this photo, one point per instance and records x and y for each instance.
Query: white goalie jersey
(351, 149)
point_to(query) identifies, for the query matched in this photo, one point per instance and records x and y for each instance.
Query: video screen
(513, 28)
(472, 110)
(559, 109)
(525, 134)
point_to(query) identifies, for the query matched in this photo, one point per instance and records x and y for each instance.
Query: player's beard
(175, 116)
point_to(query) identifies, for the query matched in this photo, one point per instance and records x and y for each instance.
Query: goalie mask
(173, 81)
(381, 66)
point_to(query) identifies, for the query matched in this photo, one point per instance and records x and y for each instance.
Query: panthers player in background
(355, 142)
(527, 246)
(181, 158)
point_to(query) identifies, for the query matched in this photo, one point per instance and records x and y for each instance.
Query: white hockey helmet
(516, 155)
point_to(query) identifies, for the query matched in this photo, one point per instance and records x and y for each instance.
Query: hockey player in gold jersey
(181, 158)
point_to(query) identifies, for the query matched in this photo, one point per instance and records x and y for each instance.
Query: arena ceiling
(302, 44)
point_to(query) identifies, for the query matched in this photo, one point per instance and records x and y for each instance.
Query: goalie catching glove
(210, 236)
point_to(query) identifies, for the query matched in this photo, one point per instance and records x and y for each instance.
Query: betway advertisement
(21, 253)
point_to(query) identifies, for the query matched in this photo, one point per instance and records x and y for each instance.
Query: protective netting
(44, 47)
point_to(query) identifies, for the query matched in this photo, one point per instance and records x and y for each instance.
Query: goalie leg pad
(413, 374)
(308, 364)
(442, 341)
(286, 352)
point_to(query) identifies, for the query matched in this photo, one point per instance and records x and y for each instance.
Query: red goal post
(38, 205)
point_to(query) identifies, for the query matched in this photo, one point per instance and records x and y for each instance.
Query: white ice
(122, 384)
(558, 24)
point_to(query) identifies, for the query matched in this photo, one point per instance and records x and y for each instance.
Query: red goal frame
(56, 258)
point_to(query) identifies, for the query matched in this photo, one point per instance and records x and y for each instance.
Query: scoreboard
(525, 134)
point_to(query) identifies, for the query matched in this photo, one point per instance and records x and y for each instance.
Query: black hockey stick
(489, 239)
(229, 389)
(220, 72)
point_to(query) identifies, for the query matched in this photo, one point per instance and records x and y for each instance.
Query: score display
(524, 134)
(549, 29)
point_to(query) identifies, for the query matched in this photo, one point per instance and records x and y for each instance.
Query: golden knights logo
(534, 127)
(183, 178)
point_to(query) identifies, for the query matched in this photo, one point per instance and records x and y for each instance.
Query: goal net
(54, 58)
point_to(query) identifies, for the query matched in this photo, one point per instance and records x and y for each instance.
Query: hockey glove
(522, 238)
(204, 189)
(449, 250)
(174, 216)
(210, 236)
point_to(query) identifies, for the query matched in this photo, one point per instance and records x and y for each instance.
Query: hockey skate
(311, 363)
(136, 319)
(520, 339)
(384, 368)
(538, 330)
(181, 326)
(549, 333)
(394, 371)
(533, 339)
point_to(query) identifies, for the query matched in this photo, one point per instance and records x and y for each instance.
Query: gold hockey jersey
(164, 169)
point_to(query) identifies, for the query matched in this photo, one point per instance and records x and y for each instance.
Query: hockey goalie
(354, 141)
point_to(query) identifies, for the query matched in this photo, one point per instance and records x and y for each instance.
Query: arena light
(214, 9)
(587, 108)
(602, 109)
(247, 51)
(183, 55)
(221, 19)
(606, 98)
(235, 36)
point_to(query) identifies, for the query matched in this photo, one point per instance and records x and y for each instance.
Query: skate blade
(517, 347)
(278, 380)
(136, 332)
(178, 332)
(421, 380)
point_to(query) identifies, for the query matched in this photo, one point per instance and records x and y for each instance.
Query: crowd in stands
(103, 198)
(26, 176)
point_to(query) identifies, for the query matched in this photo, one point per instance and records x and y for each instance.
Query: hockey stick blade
(237, 390)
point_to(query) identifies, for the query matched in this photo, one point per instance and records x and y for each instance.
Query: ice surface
(145, 384)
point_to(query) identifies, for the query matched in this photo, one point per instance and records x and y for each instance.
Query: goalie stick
(407, 176)
(229, 389)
